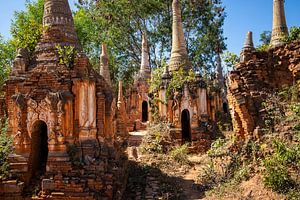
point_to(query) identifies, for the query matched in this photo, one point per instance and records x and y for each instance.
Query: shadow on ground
(148, 182)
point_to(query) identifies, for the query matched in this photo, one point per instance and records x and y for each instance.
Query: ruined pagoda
(138, 106)
(179, 53)
(53, 105)
(190, 107)
(280, 28)
(145, 71)
(248, 48)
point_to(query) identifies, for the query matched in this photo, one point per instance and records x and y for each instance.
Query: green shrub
(6, 143)
(240, 174)
(208, 176)
(216, 147)
(156, 139)
(263, 48)
(66, 55)
(277, 178)
(293, 35)
(277, 175)
(180, 154)
(293, 194)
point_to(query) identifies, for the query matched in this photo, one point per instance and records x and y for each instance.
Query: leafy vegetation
(120, 25)
(230, 59)
(5, 150)
(66, 55)
(180, 154)
(26, 27)
(109, 22)
(278, 164)
(294, 34)
(7, 54)
(155, 138)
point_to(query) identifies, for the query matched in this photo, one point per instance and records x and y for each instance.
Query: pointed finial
(248, 45)
(58, 23)
(145, 71)
(58, 30)
(279, 28)
(179, 55)
(104, 67)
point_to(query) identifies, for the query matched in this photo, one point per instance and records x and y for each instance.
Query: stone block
(48, 185)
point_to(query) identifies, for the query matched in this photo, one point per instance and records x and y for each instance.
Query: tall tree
(7, 54)
(265, 37)
(26, 27)
(121, 23)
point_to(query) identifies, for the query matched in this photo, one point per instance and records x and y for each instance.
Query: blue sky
(242, 16)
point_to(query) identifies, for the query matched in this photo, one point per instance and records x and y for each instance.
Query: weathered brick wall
(254, 79)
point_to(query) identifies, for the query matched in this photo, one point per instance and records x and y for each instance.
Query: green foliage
(293, 194)
(66, 55)
(179, 78)
(265, 38)
(155, 81)
(26, 27)
(293, 35)
(5, 149)
(216, 147)
(277, 175)
(295, 108)
(180, 154)
(120, 25)
(209, 175)
(262, 48)
(230, 59)
(7, 53)
(280, 105)
(154, 141)
(278, 179)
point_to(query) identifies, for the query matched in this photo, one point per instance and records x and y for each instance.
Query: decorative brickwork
(260, 74)
(280, 28)
(58, 117)
(192, 110)
(137, 103)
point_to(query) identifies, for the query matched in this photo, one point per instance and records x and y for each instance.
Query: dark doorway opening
(144, 111)
(225, 108)
(39, 151)
(186, 126)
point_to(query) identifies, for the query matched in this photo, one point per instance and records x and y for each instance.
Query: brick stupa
(61, 118)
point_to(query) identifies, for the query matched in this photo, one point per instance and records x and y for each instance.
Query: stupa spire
(58, 30)
(248, 45)
(58, 23)
(121, 114)
(145, 64)
(104, 67)
(248, 48)
(179, 55)
(280, 28)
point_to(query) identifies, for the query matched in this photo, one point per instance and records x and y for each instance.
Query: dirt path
(189, 186)
(146, 184)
